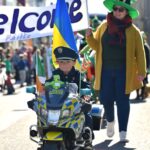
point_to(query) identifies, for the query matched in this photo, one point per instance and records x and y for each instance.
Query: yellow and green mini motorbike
(60, 118)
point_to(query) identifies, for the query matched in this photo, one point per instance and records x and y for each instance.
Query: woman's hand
(141, 78)
(88, 32)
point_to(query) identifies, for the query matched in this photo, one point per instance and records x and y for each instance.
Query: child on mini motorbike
(66, 59)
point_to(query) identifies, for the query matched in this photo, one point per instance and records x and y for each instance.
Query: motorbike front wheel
(49, 145)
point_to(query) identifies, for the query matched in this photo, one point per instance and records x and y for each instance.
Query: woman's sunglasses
(120, 9)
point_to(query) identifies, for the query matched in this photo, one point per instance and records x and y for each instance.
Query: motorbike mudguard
(54, 136)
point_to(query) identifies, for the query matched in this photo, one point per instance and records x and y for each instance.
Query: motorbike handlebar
(31, 104)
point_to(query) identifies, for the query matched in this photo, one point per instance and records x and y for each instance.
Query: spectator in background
(1, 54)
(79, 39)
(33, 66)
(23, 47)
(2, 81)
(95, 23)
(140, 92)
(89, 64)
(8, 63)
(27, 69)
(8, 51)
(30, 61)
(29, 56)
(8, 83)
(15, 59)
(42, 50)
(22, 70)
(2, 76)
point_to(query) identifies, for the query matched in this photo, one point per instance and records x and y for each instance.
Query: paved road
(138, 131)
(15, 119)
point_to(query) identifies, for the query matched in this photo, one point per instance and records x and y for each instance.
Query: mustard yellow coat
(135, 56)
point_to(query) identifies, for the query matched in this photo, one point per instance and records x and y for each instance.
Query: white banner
(21, 23)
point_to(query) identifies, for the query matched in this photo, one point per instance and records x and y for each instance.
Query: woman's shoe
(110, 129)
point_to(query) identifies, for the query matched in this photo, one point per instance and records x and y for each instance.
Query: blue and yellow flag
(62, 30)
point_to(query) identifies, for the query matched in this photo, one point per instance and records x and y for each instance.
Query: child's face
(66, 65)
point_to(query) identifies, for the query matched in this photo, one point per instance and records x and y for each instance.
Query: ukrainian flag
(62, 30)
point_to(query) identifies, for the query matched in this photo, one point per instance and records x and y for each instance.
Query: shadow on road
(117, 146)
(137, 101)
(20, 109)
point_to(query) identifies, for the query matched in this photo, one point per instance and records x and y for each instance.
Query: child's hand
(87, 98)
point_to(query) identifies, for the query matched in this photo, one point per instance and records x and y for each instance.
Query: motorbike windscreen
(56, 97)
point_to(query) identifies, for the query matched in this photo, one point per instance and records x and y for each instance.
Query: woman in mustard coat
(120, 62)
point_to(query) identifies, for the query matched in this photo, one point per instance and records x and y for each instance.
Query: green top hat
(133, 13)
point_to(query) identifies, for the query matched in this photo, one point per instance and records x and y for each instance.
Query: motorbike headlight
(53, 116)
(65, 113)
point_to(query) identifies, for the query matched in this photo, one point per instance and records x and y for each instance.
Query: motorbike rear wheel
(53, 146)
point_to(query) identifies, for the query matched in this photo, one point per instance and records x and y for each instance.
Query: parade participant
(120, 62)
(66, 59)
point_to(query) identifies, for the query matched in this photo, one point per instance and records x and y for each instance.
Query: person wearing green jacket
(120, 62)
(8, 63)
